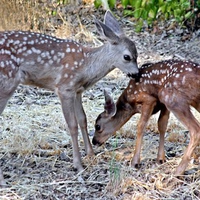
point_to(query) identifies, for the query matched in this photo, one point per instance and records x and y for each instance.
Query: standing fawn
(167, 86)
(65, 67)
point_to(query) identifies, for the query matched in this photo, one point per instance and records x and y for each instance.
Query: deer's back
(183, 76)
(40, 59)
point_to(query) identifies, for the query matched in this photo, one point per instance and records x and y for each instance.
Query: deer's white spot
(19, 51)
(66, 65)
(2, 64)
(21, 60)
(55, 58)
(149, 75)
(13, 58)
(10, 74)
(7, 44)
(6, 52)
(50, 62)
(175, 83)
(68, 50)
(177, 75)
(73, 50)
(71, 76)
(31, 42)
(29, 51)
(61, 54)
(188, 69)
(66, 75)
(48, 54)
(39, 59)
(13, 66)
(37, 51)
(58, 60)
(81, 62)
(24, 48)
(2, 41)
(18, 60)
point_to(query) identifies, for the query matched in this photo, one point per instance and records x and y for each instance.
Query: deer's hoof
(161, 161)
(138, 165)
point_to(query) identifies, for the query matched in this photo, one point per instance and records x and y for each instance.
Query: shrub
(151, 10)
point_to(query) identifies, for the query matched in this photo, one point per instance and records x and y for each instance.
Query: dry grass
(34, 140)
(34, 15)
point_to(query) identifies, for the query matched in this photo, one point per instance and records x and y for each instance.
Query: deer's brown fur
(166, 86)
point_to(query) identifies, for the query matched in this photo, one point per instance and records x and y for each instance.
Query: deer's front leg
(146, 113)
(162, 126)
(82, 121)
(68, 107)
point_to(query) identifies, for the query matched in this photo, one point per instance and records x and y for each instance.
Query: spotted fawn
(166, 86)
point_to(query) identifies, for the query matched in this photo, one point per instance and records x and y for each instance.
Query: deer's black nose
(135, 76)
(95, 142)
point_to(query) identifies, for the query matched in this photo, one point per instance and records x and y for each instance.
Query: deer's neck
(98, 62)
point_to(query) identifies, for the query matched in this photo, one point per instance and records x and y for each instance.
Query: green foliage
(111, 3)
(152, 10)
(115, 168)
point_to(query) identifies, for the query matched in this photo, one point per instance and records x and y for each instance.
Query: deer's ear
(109, 106)
(112, 23)
(106, 33)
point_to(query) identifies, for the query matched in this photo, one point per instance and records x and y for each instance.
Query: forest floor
(35, 145)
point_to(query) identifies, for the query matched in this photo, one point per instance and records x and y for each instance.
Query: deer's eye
(97, 127)
(127, 58)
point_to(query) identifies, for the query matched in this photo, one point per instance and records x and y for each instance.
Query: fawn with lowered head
(65, 67)
(166, 86)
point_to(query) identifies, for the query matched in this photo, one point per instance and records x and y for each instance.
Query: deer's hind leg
(178, 105)
(162, 126)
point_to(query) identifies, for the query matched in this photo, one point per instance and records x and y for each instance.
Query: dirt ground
(35, 146)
